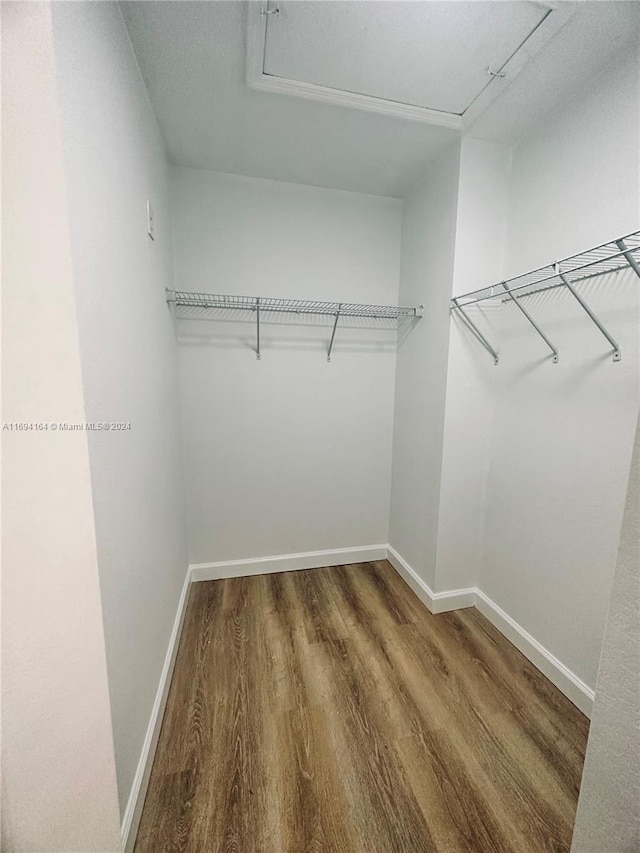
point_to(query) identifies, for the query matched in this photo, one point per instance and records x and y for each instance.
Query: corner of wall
(426, 276)
(481, 225)
(55, 711)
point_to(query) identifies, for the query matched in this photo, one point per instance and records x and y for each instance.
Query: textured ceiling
(192, 57)
(433, 55)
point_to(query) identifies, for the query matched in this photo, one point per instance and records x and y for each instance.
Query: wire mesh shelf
(610, 257)
(260, 304)
(291, 306)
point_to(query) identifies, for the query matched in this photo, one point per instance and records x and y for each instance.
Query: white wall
(535, 455)
(559, 461)
(574, 181)
(562, 436)
(59, 790)
(481, 226)
(428, 238)
(115, 162)
(608, 817)
(290, 453)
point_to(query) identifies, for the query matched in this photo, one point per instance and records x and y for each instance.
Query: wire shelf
(291, 306)
(611, 257)
(607, 258)
(260, 304)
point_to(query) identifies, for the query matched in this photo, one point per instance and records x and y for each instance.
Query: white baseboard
(133, 811)
(440, 602)
(453, 599)
(435, 602)
(564, 679)
(286, 563)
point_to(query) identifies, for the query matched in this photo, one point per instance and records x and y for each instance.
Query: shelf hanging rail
(610, 257)
(260, 305)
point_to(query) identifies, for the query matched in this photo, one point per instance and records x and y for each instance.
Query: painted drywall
(426, 277)
(562, 434)
(59, 790)
(481, 227)
(608, 817)
(290, 453)
(114, 162)
(574, 180)
(559, 460)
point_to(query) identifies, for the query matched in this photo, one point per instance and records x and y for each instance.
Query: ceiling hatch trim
(558, 15)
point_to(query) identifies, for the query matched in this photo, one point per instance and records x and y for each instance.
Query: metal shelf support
(517, 302)
(626, 252)
(617, 355)
(476, 331)
(171, 302)
(333, 333)
(258, 355)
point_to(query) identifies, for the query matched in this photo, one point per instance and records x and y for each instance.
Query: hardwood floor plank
(384, 811)
(239, 791)
(311, 788)
(495, 749)
(539, 734)
(446, 742)
(425, 721)
(327, 711)
(285, 638)
(382, 594)
(322, 622)
(189, 697)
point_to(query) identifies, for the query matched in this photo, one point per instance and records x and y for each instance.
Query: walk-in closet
(321, 383)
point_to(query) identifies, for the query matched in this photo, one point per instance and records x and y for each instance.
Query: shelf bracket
(533, 323)
(635, 266)
(258, 355)
(171, 303)
(617, 355)
(476, 331)
(333, 333)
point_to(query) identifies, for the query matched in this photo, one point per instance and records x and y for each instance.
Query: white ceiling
(193, 56)
(431, 55)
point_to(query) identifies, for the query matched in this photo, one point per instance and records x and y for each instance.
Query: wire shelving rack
(611, 257)
(259, 305)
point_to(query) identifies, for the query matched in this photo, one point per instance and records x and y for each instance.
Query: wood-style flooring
(327, 711)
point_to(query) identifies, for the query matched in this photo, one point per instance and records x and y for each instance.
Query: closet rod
(610, 257)
(261, 304)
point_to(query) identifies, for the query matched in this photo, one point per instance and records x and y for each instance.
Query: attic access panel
(422, 60)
